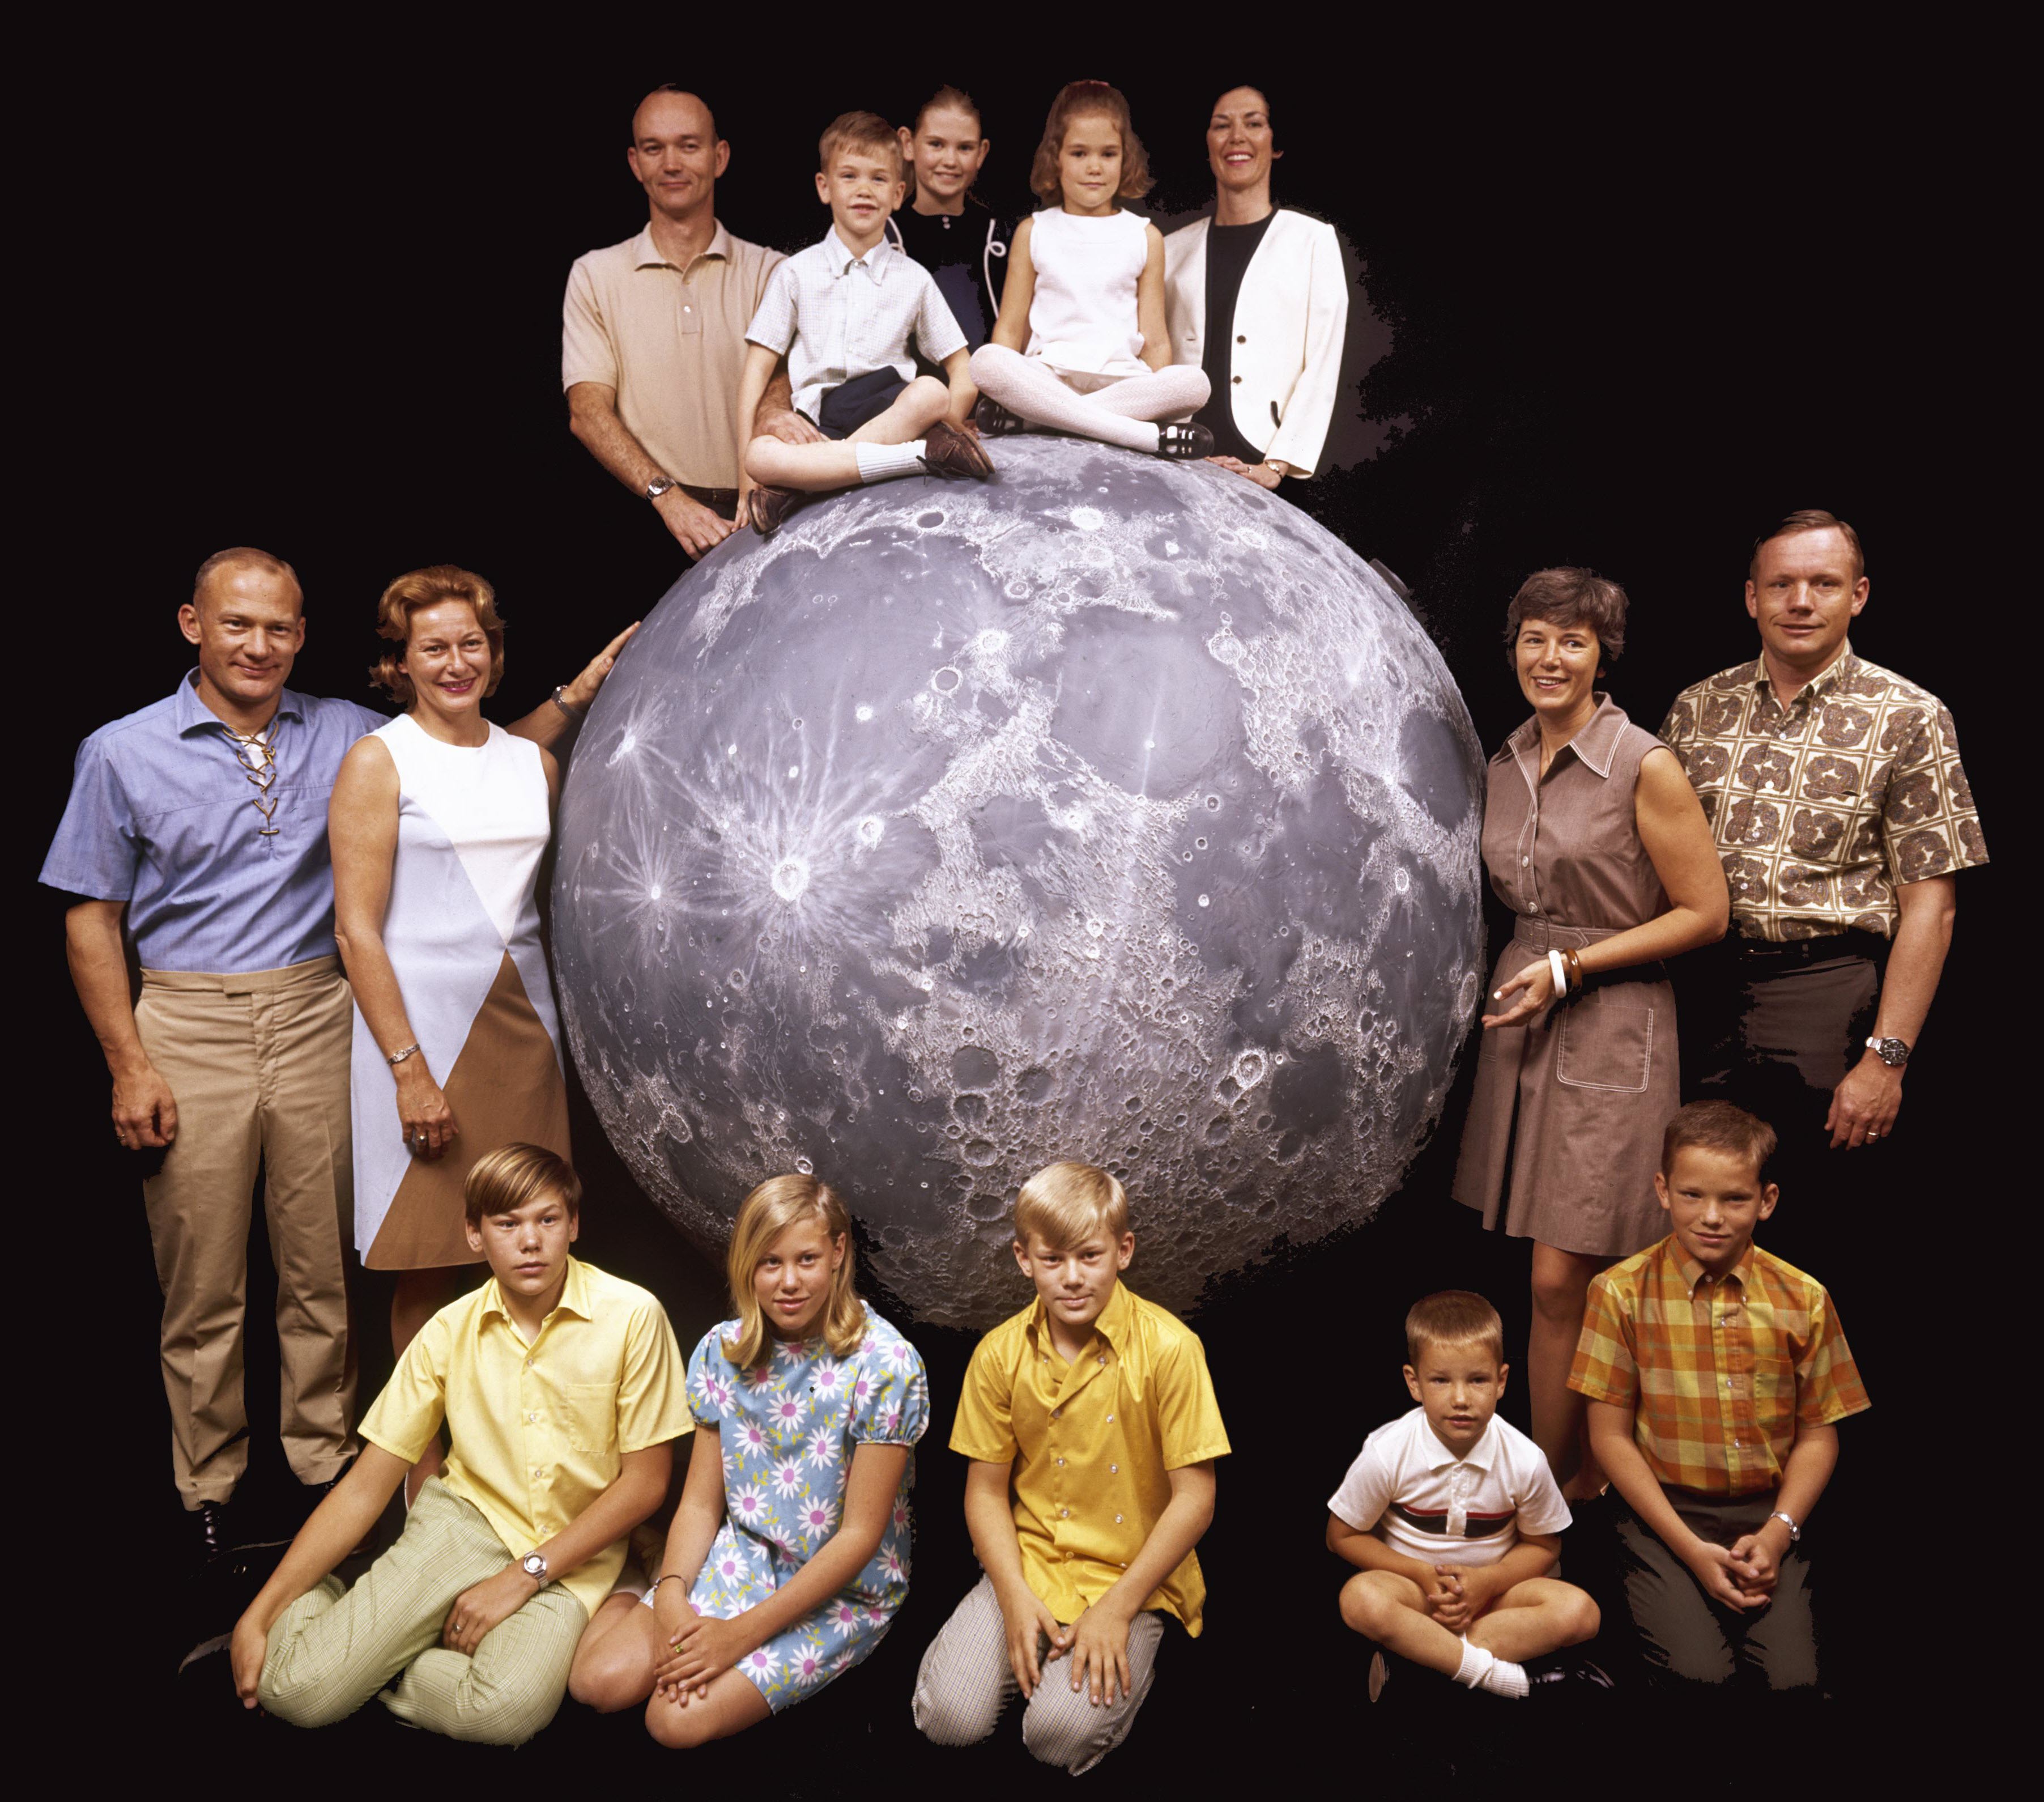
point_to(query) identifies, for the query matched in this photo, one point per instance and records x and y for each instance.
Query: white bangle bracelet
(1559, 971)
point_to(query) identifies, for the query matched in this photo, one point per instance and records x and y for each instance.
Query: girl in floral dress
(788, 1558)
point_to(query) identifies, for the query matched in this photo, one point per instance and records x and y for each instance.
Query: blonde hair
(763, 1216)
(1064, 1204)
(1452, 1317)
(858, 131)
(1090, 100)
(413, 592)
(503, 1180)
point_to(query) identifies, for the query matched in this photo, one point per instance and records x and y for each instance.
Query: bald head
(677, 109)
(218, 575)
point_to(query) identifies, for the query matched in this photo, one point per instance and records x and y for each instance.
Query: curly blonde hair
(1090, 99)
(412, 593)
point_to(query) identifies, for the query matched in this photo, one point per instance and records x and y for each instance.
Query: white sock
(1486, 1670)
(882, 462)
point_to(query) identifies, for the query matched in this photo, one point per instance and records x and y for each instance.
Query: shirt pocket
(588, 1417)
(1605, 1040)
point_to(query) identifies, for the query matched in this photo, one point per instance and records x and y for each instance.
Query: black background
(1644, 299)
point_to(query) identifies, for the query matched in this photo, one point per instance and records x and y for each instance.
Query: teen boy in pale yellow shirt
(1092, 1429)
(469, 1622)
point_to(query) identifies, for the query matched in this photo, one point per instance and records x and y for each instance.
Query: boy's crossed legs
(334, 1648)
(966, 1681)
(821, 468)
(1531, 1618)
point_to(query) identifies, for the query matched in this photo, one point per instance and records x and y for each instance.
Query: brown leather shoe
(769, 508)
(947, 451)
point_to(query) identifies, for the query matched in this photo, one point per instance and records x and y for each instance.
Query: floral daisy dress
(788, 1428)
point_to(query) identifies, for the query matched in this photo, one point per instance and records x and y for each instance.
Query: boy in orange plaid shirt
(1715, 1375)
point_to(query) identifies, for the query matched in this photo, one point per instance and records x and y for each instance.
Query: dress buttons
(1524, 861)
(1238, 381)
(1533, 907)
(1239, 339)
(1062, 1513)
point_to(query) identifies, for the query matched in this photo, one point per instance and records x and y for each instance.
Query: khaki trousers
(258, 1064)
(966, 1682)
(333, 1648)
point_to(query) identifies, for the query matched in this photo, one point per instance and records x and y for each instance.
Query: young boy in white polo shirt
(1454, 1519)
(843, 312)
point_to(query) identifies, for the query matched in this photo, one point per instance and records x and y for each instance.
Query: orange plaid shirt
(1719, 1372)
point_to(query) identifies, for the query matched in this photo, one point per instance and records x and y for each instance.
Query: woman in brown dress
(1595, 840)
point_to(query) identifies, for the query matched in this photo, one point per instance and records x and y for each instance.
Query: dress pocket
(1604, 1039)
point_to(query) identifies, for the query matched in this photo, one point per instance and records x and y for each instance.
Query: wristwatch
(658, 486)
(559, 698)
(1788, 1520)
(534, 1565)
(1892, 1052)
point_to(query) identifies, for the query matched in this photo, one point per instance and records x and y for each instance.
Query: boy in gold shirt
(1092, 1429)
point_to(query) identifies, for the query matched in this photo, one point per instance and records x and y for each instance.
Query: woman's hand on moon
(1534, 986)
(581, 691)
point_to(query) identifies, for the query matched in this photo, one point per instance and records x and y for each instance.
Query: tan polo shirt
(671, 342)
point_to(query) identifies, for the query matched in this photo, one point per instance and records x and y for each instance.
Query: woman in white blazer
(1257, 296)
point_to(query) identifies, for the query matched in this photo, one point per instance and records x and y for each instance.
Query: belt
(722, 501)
(1544, 934)
(246, 982)
(1850, 943)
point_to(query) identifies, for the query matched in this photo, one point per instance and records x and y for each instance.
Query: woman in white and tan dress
(438, 823)
(1593, 838)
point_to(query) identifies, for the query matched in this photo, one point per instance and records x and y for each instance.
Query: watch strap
(1790, 1522)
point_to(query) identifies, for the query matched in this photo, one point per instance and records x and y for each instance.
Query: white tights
(1120, 414)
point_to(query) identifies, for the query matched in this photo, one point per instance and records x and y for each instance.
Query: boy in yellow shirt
(472, 1618)
(1092, 1429)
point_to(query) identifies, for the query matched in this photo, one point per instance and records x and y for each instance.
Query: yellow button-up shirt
(539, 1431)
(1092, 1444)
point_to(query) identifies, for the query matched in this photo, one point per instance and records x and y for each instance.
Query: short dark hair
(1255, 87)
(1452, 1317)
(507, 1178)
(1717, 1126)
(1566, 596)
(1808, 519)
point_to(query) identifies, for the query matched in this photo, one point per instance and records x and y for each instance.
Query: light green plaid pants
(334, 1647)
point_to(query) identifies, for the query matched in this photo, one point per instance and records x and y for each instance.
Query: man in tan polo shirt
(653, 333)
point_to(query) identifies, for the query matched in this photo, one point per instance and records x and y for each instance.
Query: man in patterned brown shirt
(1835, 790)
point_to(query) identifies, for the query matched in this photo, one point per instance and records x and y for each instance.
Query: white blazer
(1291, 320)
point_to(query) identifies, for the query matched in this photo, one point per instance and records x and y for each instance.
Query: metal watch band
(658, 486)
(397, 1057)
(1894, 1059)
(560, 699)
(1788, 1521)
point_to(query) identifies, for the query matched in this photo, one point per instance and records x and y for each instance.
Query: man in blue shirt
(202, 820)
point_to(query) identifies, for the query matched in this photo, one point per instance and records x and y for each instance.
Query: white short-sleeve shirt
(1446, 1510)
(837, 317)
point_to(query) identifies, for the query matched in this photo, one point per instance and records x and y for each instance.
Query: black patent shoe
(208, 1529)
(1562, 1675)
(1185, 440)
(993, 420)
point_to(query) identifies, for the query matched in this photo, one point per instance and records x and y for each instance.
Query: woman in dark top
(953, 236)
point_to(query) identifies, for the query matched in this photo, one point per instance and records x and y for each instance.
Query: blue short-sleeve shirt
(164, 815)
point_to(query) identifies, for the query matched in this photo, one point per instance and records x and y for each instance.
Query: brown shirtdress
(1593, 1081)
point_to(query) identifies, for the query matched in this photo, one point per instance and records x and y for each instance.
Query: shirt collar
(192, 715)
(646, 254)
(842, 262)
(1482, 1455)
(574, 1296)
(1693, 1273)
(1841, 668)
(1112, 1323)
(1595, 746)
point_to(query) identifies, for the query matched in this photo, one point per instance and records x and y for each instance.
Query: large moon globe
(1111, 809)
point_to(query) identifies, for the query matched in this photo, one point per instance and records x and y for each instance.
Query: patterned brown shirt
(1821, 808)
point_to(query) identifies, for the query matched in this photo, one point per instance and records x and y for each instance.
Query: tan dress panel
(1564, 1130)
(505, 1087)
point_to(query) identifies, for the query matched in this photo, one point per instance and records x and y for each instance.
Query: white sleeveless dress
(1082, 317)
(463, 932)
